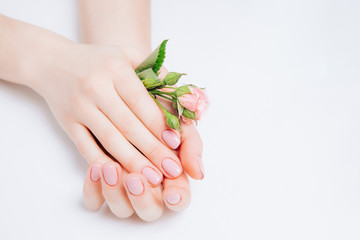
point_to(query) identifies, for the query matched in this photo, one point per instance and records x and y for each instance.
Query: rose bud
(196, 101)
(172, 78)
(172, 121)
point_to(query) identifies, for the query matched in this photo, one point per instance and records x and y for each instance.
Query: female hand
(93, 90)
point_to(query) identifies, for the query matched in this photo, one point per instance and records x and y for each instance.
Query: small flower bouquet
(189, 101)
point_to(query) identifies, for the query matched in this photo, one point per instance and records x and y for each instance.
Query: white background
(282, 136)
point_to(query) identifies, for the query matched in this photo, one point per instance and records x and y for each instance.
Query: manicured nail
(95, 172)
(201, 165)
(135, 186)
(151, 175)
(110, 175)
(171, 167)
(173, 198)
(171, 139)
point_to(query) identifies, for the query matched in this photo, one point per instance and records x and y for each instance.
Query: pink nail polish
(171, 167)
(171, 139)
(173, 198)
(201, 165)
(135, 186)
(110, 175)
(151, 175)
(95, 172)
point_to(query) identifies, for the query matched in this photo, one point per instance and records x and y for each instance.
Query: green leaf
(182, 90)
(161, 56)
(151, 83)
(147, 73)
(154, 60)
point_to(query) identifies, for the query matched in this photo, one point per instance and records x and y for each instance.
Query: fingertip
(92, 195)
(192, 162)
(111, 173)
(176, 199)
(171, 138)
(191, 153)
(153, 177)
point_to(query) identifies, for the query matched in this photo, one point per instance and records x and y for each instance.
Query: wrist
(45, 63)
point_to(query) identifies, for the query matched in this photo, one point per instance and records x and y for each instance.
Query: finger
(146, 201)
(176, 193)
(120, 148)
(191, 152)
(113, 190)
(87, 146)
(137, 98)
(93, 198)
(135, 132)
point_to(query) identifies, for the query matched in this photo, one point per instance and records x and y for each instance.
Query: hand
(93, 90)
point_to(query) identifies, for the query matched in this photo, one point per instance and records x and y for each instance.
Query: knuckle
(137, 100)
(127, 125)
(114, 64)
(93, 83)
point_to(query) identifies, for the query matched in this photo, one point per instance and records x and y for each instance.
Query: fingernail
(173, 198)
(110, 175)
(135, 186)
(171, 167)
(171, 139)
(151, 175)
(95, 172)
(201, 165)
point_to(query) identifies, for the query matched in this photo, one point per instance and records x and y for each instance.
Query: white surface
(282, 137)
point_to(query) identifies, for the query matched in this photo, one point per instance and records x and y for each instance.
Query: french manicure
(171, 139)
(171, 167)
(95, 172)
(110, 175)
(173, 198)
(135, 186)
(151, 175)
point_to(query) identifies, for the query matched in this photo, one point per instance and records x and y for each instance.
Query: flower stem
(160, 92)
(173, 100)
(161, 106)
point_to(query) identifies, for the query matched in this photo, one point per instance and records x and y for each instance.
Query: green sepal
(179, 107)
(154, 60)
(147, 73)
(182, 90)
(172, 78)
(189, 114)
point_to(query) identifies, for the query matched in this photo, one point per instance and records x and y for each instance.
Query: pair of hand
(97, 98)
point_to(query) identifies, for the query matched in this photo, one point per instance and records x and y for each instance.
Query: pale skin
(92, 90)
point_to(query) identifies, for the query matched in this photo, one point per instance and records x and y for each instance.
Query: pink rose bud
(188, 101)
(196, 101)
